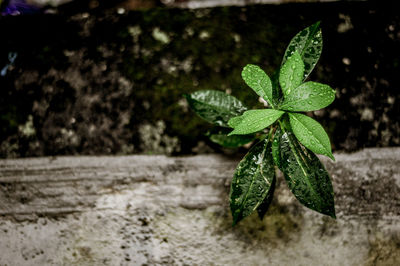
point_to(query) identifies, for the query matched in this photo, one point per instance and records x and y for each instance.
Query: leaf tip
(329, 211)
(332, 213)
(246, 68)
(231, 122)
(296, 53)
(237, 217)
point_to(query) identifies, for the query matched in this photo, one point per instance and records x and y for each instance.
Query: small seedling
(289, 139)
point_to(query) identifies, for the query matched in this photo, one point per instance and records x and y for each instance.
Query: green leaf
(259, 81)
(219, 135)
(276, 147)
(215, 107)
(306, 176)
(231, 141)
(252, 181)
(308, 43)
(276, 90)
(291, 73)
(309, 96)
(264, 206)
(311, 134)
(254, 120)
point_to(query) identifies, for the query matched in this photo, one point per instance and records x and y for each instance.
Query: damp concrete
(159, 210)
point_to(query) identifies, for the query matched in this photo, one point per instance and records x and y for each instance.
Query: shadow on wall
(109, 81)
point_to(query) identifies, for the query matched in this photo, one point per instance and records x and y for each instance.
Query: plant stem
(271, 131)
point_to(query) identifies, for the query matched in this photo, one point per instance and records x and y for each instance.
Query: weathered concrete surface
(173, 211)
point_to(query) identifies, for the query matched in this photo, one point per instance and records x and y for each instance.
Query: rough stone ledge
(160, 210)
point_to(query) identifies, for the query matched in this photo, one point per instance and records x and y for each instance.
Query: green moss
(163, 53)
(278, 225)
(384, 250)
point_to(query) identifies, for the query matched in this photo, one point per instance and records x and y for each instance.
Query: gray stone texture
(158, 210)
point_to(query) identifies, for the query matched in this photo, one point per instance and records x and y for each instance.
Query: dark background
(102, 81)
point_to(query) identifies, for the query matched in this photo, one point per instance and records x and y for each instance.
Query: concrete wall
(158, 210)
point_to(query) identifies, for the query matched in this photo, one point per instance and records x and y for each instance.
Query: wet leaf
(231, 141)
(291, 73)
(215, 107)
(306, 176)
(309, 96)
(264, 206)
(254, 120)
(308, 43)
(252, 181)
(259, 81)
(276, 90)
(311, 134)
